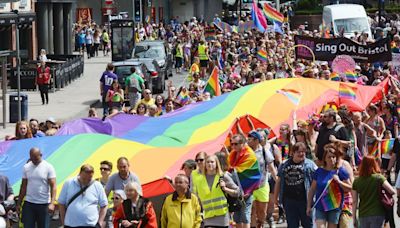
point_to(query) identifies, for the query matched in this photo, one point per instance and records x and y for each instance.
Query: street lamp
(18, 66)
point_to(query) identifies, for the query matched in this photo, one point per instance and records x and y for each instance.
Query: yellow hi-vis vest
(214, 201)
(202, 52)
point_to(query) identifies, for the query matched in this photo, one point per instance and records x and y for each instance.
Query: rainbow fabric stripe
(332, 198)
(351, 76)
(157, 147)
(223, 26)
(272, 14)
(334, 76)
(245, 26)
(262, 55)
(387, 146)
(347, 92)
(213, 86)
(247, 168)
(293, 95)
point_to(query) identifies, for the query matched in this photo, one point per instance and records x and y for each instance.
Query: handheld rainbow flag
(272, 14)
(332, 197)
(245, 26)
(351, 75)
(373, 150)
(347, 92)
(247, 168)
(213, 86)
(258, 18)
(223, 26)
(293, 95)
(183, 98)
(262, 55)
(334, 76)
(387, 146)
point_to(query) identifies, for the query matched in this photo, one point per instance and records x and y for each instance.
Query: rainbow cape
(387, 146)
(262, 55)
(332, 197)
(334, 76)
(272, 14)
(351, 75)
(157, 147)
(373, 150)
(213, 86)
(347, 92)
(247, 168)
(293, 95)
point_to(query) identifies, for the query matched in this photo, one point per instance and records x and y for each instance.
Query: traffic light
(137, 14)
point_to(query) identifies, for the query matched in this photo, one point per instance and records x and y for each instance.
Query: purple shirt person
(106, 81)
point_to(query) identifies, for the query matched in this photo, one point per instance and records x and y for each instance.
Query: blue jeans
(35, 214)
(244, 215)
(372, 221)
(295, 212)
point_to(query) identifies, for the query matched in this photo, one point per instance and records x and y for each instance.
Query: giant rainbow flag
(156, 147)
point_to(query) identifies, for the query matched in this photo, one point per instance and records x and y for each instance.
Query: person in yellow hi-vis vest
(211, 187)
(178, 56)
(203, 56)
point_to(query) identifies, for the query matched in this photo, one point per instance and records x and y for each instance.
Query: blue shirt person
(90, 207)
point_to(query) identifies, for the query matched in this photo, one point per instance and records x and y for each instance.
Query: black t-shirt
(293, 179)
(323, 137)
(396, 150)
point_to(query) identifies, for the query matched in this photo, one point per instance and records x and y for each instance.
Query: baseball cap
(120, 193)
(51, 119)
(256, 135)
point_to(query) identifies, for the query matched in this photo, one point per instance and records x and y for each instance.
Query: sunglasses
(200, 160)
(234, 143)
(115, 198)
(104, 169)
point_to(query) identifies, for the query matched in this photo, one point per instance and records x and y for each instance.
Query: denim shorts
(329, 216)
(244, 215)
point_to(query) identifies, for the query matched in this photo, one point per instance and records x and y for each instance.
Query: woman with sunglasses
(117, 199)
(141, 109)
(200, 157)
(211, 188)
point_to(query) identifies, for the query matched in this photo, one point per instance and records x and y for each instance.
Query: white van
(350, 17)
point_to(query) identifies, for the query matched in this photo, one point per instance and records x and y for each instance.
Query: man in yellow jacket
(181, 209)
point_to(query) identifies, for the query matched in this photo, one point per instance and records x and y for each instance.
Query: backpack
(133, 84)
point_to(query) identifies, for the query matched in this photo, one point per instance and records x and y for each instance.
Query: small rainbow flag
(332, 197)
(351, 75)
(247, 168)
(183, 98)
(262, 55)
(373, 150)
(347, 92)
(213, 86)
(293, 95)
(387, 146)
(272, 14)
(334, 76)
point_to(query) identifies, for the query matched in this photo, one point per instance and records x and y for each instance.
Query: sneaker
(280, 220)
(271, 222)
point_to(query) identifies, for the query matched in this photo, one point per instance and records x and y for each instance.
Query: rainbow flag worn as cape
(387, 146)
(213, 86)
(293, 95)
(347, 92)
(247, 168)
(334, 76)
(351, 75)
(262, 55)
(272, 14)
(332, 197)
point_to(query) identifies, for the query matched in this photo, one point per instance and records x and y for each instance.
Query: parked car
(123, 70)
(157, 74)
(155, 49)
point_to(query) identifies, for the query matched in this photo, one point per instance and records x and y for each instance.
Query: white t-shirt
(38, 188)
(398, 182)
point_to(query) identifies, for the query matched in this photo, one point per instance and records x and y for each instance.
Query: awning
(23, 17)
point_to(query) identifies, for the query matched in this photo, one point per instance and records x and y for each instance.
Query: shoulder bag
(385, 197)
(78, 194)
(235, 204)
